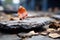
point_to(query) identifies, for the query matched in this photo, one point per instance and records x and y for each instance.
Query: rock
(31, 33)
(58, 29)
(51, 30)
(54, 25)
(9, 29)
(44, 33)
(15, 27)
(36, 24)
(54, 35)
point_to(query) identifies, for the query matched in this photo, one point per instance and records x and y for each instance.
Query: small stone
(44, 33)
(51, 30)
(58, 29)
(31, 33)
(54, 35)
(54, 25)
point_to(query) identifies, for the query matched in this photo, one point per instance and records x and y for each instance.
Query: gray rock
(36, 24)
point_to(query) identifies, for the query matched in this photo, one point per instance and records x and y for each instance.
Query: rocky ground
(52, 30)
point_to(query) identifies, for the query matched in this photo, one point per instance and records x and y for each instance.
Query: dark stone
(20, 28)
(52, 25)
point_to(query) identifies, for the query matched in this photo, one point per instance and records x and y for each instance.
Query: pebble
(54, 35)
(31, 33)
(58, 29)
(44, 33)
(51, 30)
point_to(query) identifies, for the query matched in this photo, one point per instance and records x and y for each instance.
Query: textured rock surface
(26, 25)
(36, 24)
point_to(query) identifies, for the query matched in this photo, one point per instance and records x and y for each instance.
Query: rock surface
(26, 25)
(54, 35)
(37, 24)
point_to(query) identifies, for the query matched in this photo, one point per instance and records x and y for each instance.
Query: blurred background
(30, 5)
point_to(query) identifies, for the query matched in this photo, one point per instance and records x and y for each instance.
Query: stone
(54, 25)
(51, 30)
(54, 35)
(58, 29)
(31, 33)
(44, 33)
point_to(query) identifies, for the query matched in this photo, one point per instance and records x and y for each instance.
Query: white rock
(31, 33)
(44, 33)
(58, 29)
(51, 30)
(54, 35)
